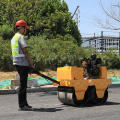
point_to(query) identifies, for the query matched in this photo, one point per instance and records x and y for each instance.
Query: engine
(91, 67)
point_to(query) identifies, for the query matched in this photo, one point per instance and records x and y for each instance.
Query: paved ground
(47, 107)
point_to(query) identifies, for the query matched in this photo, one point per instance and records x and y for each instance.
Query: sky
(89, 12)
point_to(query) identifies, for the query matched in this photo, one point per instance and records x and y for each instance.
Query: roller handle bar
(44, 76)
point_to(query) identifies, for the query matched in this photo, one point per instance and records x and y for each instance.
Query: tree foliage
(14, 10)
(42, 16)
(50, 54)
(112, 62)
(57, 35)
(53, 53)
(6, 32)
(5, 55)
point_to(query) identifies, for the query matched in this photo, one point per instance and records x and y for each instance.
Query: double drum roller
(75, 90)
(81, 85)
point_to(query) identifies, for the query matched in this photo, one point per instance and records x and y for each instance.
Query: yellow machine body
(72, 76)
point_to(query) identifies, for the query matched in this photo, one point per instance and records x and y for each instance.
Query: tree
(46, 16)
(13, 10)
(55, 21)
(113, 17)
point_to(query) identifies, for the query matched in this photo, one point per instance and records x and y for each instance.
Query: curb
(30, 90)
(43, 89)
(114, 85)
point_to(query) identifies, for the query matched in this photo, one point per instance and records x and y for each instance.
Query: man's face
(24, 30)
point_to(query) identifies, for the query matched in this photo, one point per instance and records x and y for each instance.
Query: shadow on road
(93, 105)
(111, 103)
(46, 109)
(48, 93)
(106, 103)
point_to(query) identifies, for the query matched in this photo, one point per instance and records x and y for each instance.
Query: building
(103, 43)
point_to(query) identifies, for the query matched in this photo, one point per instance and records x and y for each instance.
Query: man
(22, 61)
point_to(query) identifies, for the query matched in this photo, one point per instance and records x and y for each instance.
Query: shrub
(53, 53)
(111, 60)
(6, 32)
(5, 56)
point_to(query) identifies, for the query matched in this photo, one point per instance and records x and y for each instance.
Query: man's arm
(25, 50)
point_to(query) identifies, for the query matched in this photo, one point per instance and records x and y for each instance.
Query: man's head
(21, 26)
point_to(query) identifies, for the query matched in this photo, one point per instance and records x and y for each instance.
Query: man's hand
(31, 66)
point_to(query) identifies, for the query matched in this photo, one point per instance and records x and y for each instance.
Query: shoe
(28, 106)
(25, 108)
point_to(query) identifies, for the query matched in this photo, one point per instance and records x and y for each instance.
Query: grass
(113, 73)
(50, 73)
(11, 75)
(7, 75)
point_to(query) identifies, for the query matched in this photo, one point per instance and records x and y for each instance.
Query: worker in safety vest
(22, 61)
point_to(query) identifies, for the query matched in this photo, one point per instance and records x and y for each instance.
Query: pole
(95, 41)
(75, 11)
(119, 45)
(77, 19)
(102, 40)
(90, 43)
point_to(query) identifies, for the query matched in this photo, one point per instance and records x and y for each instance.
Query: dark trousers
(23, 73)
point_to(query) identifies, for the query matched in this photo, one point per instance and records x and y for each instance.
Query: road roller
(81, 85)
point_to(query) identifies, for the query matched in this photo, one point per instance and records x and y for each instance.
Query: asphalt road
(47, 107)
